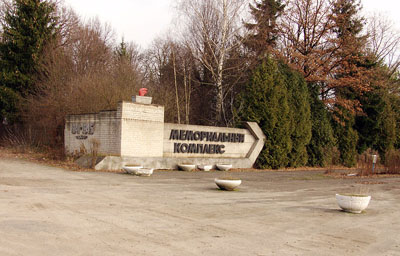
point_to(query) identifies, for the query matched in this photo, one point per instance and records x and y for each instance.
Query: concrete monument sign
(136, 133)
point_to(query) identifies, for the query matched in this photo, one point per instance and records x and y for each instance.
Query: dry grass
(392, 165)
(365, 165)
(46, 158)
(20, 139)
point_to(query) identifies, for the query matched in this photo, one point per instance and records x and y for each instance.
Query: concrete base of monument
(89, 161)
(116, 162)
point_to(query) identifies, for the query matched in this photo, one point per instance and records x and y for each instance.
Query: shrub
(392, 163)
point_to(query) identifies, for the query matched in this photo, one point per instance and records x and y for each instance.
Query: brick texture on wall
(83, 131)
(142, 130)
(132, 130)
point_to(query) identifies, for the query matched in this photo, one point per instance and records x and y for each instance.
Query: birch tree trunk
(176, 86)
(213, 31)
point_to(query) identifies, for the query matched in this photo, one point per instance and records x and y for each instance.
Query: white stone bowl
(353, 203)
(224, 167)
(205, 167)
(187, 167)
(144, 172)
(131, 169)
(227, 184)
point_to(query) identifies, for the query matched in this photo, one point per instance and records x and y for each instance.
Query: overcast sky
(141, 21)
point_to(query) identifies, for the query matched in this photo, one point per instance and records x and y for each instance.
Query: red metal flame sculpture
(142, 91)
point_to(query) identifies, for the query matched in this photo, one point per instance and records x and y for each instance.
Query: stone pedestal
(142, 99)
(142, 130)
(133, 130)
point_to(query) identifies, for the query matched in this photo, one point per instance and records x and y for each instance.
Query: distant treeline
(320, 79)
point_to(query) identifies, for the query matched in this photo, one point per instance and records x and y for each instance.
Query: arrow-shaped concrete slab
(258, 145)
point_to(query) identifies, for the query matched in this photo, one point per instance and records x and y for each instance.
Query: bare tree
(169, 68)
(93, 47)
(83, 75)
(306, 38)
(384, 41)
(159, 75)
(176, 83)
(211, 32)
(323, 40)
(127, 63)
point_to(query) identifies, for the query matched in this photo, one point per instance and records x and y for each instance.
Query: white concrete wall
(142, 130)
(82, 130)
(142, 112)
(138, 130)
(232, 150)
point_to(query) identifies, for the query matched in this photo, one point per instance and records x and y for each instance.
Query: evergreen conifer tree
(264, 32)
(28, 26)
(322, 139)
(8, 105)
(299, 105)
(347, 139)
(377, 127)
(121, 52)
(349, 75)
(265, 101)
(395, 102)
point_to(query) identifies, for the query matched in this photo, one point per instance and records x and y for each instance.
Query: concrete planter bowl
(224, 167)
(131, 169)
(146, 172)
(353, 203)
(205, 167)
(187, 167)
(227, 184)
(138, 170)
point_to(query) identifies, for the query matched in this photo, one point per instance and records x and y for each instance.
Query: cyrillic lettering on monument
(201, 136)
